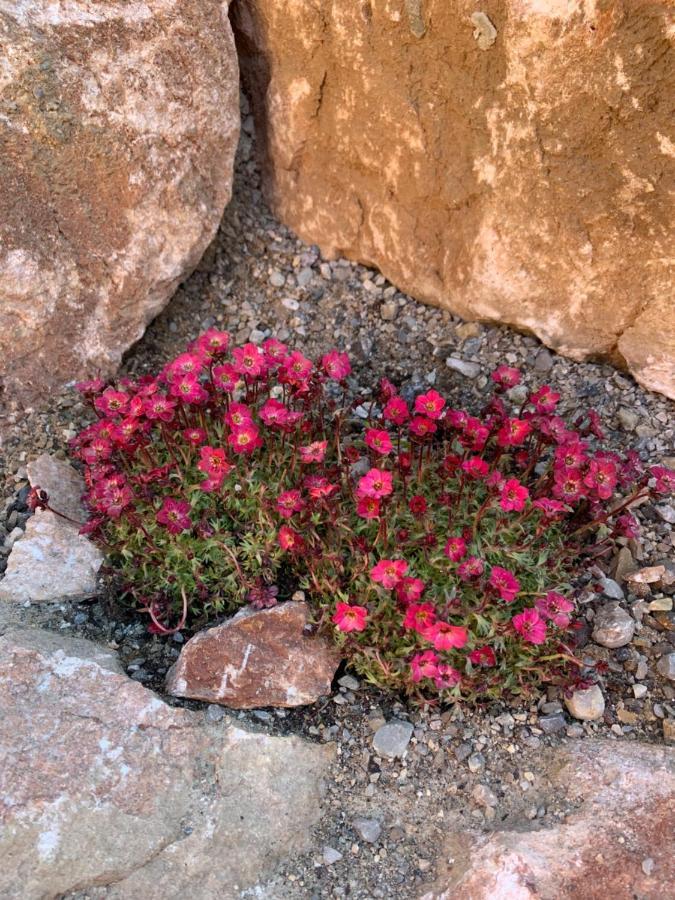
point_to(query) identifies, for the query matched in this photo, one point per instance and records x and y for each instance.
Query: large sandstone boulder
(105, 789)
(118, 126)
(511, 164)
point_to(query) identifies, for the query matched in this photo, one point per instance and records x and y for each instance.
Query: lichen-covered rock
(256, 658)
(616, 843)
(103, 784)
(510, 163)
(118, 126)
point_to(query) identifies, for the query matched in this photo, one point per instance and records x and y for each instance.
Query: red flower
(159, 407)
(289, 502)
(445, 636)
(475, 467)
(396, 411)
(290, 540)
(545, 399)
(417, 505)
(513, 432)
(419, 617)
(474, 435)
(379, 441)
(531, 628)
(388, 572)
(602, 476)
(555, 607)
(319, 488)
(313, 453)
(174, 514)
(248, 360)
(455, 548)
(368, 507)
(471, 569)
(244, 439)
(273, 413)
(483, 656)
(424, 665)
(505, 377)
(297, 368)
(226, 377)
(213, 342)
(550, 509)
(185, 364)
(188, 389)
(336, 365)
(350, 618)
(238, 414)
(375, 483)
(214, 463)
(571, 454)
(274, 350)
(194, 436)
(446, 677)
(430, 404)
(513, 496)
(569, 485)
(409, 590)
(420, 426)
(112, 402)
(664, 479)
(505, 583)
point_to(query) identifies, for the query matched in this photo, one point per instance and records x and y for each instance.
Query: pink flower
(388, 572)
(290, 540)
(375, 483)
(174, 514)
(555, 607)
(319, 488)
(664, 479)
(368, 507)
(529, 626)
(505, 377)
(297, 368)
(350, 618)
(475, 467)
(505, 583)
(336, 365)
(471, 569)
(483, 656)
(419, 617)
(447, 677)
(112, 402)
(513, 433)
(248, 360)
(274, 350)
(420, 426)
(409, 590)
(290, 502)
(185, 364)
(455, 548)
(159, 407)
(379, 441)
(213, 342)
(545, 399)
(474, 435)
(188, 389)
(244, 439)
(213, 463)
(417, 505)
(424, 665)
(602, 476)
(313, 453)
(445, 636)
(89, 388)
(513, 496)
(225, 377)
(568, 485)
(571, 454)
(194, 436)
(396, 411)
(273, 413)
(238, 414)
(430, 404)
(550, 509)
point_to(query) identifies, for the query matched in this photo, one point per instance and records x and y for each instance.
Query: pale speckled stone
(586, 705)
(63, 484)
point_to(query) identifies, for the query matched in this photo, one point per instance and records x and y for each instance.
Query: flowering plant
(437, 547)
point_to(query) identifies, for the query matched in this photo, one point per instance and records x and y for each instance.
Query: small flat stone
(64, 485)
(277, 279)
(628, 418)
(611, 589)
(666, 512)
(586, 705)
(368, 829)
(553, 724)
(464, 367)
(648, 575)
(666, 666)
(392, 738)
(639, 691)
(476, 762)
(331, 856)
(613, 626)
(484, 796)
(257, 658)
(349, 682)
(661, 604)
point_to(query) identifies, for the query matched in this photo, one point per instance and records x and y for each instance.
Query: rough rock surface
(104, 784)
(64, 485)
(617, 844)
(256, 658)
(50, 562)
(510, 164)
(118, 126)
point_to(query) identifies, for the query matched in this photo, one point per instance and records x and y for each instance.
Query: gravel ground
(258, 279)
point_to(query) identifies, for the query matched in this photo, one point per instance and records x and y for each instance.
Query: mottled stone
(63, 484)
(50, 562)
(392, 738)
(613, 626)
(257, 658)
(118, 127)
(666, 666)
(104, 784)
(459, 166)
(369, 829)
(586, 705)
(623, 797)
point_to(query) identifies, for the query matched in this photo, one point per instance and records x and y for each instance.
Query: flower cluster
(436, 545)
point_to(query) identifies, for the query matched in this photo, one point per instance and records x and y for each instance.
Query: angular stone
(257, 658)
(392, 738)
(63, 484)
(586, 705)
(50, 562)
(623, 796)
(648, 575)
(118, 127)
(438, 191)
(666, 666)
(104, 784)
(369, 829)
(613, 626)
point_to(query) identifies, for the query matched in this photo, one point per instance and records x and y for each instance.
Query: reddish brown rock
(118, 126)
(257, 658)
(102, 783)
(616, 843)
(512, 163)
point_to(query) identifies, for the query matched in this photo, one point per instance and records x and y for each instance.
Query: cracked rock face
(512, 167)
(257, 658)
(105, 787)
(118, 126)
(617, 842)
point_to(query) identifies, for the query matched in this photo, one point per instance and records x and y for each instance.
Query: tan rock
(64, 485)
(616, 843)
(118, 126)
(511, 164)
(257, 658)
(104, 784)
